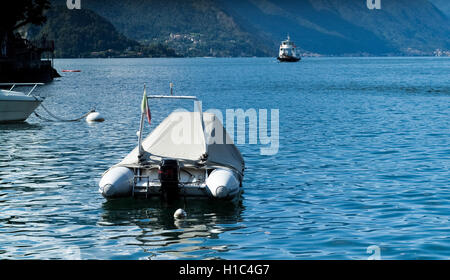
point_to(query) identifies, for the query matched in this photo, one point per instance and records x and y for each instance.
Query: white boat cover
(180, 136)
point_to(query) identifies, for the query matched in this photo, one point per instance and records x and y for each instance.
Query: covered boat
(189, 154)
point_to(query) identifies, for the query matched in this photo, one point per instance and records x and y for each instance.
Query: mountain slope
(337, 27)
(192, 27)
(443, 5)
(83, 33)
(411, 26)
(315, 30)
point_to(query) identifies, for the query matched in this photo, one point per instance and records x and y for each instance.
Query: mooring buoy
(180, 214)
(94, 117)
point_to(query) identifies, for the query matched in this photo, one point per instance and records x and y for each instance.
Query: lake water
(363, 160)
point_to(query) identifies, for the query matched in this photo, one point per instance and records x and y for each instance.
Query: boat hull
(288, 59)
(17, 110)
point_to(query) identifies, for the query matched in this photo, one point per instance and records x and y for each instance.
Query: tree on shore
(20, 13)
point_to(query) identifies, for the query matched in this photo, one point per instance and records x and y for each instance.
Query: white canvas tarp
(181, 136)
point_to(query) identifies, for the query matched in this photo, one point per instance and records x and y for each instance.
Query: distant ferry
(288, 51)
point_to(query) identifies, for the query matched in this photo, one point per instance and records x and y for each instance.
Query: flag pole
(141, 126)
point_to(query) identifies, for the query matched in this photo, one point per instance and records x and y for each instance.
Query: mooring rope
(58, 119)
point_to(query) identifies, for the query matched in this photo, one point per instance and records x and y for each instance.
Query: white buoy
(180, 214)
(94, 117)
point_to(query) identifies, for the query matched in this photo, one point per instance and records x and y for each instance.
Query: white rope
(58, 119)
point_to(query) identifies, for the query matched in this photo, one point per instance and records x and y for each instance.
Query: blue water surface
(363, 160)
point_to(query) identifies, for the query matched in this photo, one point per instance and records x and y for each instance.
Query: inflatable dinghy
(189, 154)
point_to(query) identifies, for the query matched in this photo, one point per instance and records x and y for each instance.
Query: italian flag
(144, 107)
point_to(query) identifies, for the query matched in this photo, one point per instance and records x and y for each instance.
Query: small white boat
(180, 158)
(16, 106)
